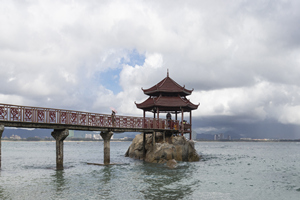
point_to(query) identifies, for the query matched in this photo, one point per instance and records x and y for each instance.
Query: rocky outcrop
(175, 148)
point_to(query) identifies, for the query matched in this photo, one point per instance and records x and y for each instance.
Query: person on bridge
(113, 114)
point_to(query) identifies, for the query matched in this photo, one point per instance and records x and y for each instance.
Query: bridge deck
(50, 118)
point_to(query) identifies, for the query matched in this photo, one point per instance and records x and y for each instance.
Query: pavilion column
(158, 118)
(144, 116)
(176, 119)
(182, 124)
(106, 137)
(164, 136)
(154, 121)
(1, 131)
(191, 124)
(60, 135)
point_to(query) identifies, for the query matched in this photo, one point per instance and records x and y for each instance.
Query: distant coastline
(252, 140)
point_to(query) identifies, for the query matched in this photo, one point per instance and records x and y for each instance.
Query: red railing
(28, 114)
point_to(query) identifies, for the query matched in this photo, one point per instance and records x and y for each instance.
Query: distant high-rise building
(221, 136)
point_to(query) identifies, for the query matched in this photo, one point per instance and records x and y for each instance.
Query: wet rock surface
(175, 148)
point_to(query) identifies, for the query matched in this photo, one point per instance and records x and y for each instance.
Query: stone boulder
(175, 148)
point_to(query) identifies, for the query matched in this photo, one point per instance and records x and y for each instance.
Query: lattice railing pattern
(58, 116)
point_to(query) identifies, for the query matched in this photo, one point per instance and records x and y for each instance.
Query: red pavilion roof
(167, 103)
(167, 85)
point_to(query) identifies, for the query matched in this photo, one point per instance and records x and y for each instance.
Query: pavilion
(169, 97)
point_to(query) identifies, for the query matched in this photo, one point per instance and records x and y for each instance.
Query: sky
(241, 57)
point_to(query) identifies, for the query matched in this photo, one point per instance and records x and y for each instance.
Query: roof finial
(167, 72)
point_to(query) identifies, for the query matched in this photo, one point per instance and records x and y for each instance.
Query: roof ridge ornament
(167, 72)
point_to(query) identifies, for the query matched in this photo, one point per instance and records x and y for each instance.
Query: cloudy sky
(240, 57)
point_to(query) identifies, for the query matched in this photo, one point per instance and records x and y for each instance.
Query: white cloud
(241, 57)
(290, 114)
(261, 101)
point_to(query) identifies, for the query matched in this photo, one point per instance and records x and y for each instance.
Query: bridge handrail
(18, 113)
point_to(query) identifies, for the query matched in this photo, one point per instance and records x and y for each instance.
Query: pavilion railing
(151, 123)
(28, 114)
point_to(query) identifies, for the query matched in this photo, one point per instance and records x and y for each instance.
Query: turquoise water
(228, 170)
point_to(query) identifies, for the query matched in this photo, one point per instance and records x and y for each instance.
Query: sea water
(228, 170)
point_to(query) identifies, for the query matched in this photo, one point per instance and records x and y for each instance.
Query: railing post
(32, 115)
(57, 116)
(46, 115)
(22, 118)
(8, 114)
(35, 115)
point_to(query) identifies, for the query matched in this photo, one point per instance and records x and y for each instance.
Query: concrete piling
(106, 137)
(1, 131)
(60, 135)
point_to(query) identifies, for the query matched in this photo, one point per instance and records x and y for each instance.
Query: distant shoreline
(254, 140)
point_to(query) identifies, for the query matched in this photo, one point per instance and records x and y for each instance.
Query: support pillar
(106, 137)
(60, 135)
(1, 131)
(164, 136)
